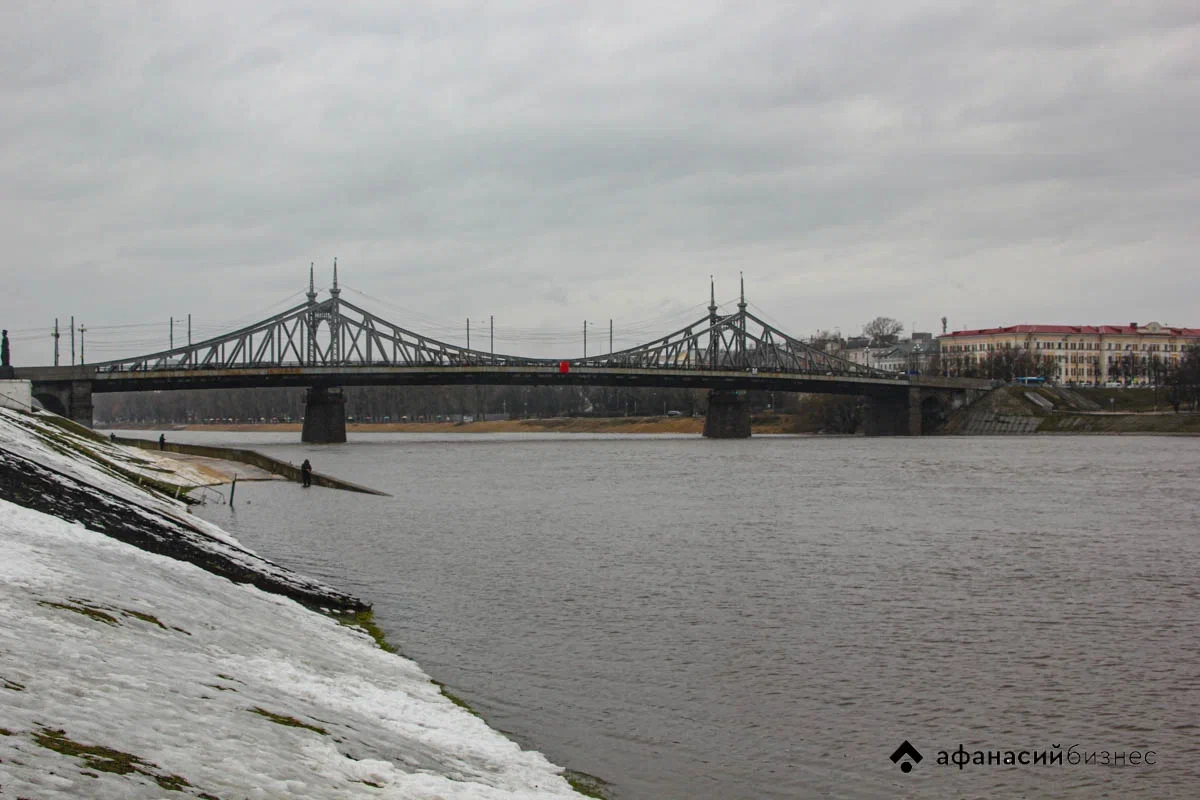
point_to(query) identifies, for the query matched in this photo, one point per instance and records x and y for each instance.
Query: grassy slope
(1121, 423)
(1013, 400)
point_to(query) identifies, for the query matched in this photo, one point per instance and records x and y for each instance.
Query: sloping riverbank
(1026, 410)
(126, 673)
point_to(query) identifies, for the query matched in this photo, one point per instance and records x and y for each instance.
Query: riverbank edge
(763, 424)
(1014, 407)
(364, 621)
(251, 457)
(1059, 411)
(342, 608)
(479, 429)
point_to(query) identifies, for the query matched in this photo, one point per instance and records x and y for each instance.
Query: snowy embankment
(131, 674)
(51, 465)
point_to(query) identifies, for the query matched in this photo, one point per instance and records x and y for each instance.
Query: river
(771, 618)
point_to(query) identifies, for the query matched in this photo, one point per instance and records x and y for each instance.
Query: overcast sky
(996, 163)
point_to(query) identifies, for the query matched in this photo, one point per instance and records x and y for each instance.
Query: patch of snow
(87, 470)
(153, 657)
(28, 436)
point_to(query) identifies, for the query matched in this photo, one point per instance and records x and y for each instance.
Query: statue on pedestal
(6, 370)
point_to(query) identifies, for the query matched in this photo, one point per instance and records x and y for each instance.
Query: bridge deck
(302, 376)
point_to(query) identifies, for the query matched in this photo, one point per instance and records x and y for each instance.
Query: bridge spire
(335, 291)
(741, 324)
(712, 301)
(311, 294)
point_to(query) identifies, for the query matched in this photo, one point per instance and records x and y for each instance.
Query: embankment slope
(1027, 410)
(132, 674)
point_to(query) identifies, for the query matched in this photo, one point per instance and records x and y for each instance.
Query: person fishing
(162, 441)
(306, 473)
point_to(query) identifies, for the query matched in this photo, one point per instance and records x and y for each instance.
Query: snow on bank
(216, 689)
(50, 430)
(128, 673)
(45, 467)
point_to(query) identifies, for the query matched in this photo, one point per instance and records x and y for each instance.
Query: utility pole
(468, 333)
(610, 336)
(72, 340)
(82, 356)
(492, 333)
(189, 330)
(171, 336)
(55, 335)
(585, 338)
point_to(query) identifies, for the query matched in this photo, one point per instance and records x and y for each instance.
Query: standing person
(306, 473)
(162, 441)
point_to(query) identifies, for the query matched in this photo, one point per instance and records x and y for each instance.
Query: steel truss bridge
(335, 343)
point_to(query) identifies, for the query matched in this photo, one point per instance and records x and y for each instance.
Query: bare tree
(1005, 363)
(1183, 380)
(883, 330)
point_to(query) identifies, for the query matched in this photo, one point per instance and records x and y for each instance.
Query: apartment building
(1084, 353)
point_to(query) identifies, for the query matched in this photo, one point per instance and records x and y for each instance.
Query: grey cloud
(554, 162)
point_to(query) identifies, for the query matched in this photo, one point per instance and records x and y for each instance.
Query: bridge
(332, 343)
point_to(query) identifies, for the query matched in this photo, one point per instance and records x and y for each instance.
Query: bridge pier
(894, 414)
(728, 415)
(324, 416)
(70, 399)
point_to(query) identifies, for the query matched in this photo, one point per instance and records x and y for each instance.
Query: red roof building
(1089, 354)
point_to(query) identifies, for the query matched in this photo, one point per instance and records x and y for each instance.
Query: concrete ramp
(1078, 401)
(1038, 400)
(986, 422)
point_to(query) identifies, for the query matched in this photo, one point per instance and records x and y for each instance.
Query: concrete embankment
(1015, 410)
(47, 465)
(134, 665)
(251, 457)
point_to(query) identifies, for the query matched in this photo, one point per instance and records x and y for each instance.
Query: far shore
(1072, 423)
(680, 425)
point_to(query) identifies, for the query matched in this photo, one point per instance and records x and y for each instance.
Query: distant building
(1083, 353)
(908, 355)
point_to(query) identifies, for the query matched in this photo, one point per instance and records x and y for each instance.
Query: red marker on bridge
(564, 367)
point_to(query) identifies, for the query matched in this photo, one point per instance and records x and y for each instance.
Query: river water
(771, 618)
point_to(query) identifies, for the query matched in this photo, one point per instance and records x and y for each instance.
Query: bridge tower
(728, 415)
(742, 360)
(713, 319)
(324, 406)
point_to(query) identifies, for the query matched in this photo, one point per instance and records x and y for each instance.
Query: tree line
(1181, 378)
(415, 403)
